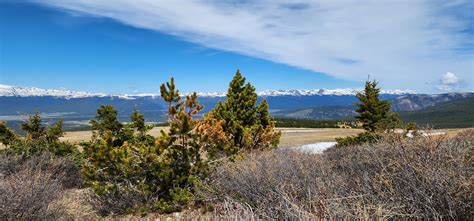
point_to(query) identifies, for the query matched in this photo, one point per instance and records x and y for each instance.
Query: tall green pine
(374, 113)
(243, 117)
(170, 94)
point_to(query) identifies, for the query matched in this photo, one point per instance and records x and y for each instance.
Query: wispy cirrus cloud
(401, 43)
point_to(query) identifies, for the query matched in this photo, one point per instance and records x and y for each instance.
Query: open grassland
(79, 136)
(290, 136)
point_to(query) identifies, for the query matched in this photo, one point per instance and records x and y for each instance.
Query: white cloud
(450, 79)
(449, 82)
(400, 43)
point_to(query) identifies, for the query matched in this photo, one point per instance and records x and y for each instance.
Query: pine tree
(245, 121)
(54, 132)
(33, 127)
(138, 122)
(374, 113)
(263, 114)
(170, 94)
(39, 138)
(106, 121)
(7, 136)
(181, 147)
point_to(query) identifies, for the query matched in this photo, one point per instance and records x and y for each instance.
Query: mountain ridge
(20, 91)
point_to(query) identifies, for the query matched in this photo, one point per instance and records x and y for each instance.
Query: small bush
(62, 169)
(358, 139)
(39, 139)
(422, 178)
(29, 187)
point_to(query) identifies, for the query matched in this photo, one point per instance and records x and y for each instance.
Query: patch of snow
(429, 134)
(315, 148)
(426, 134)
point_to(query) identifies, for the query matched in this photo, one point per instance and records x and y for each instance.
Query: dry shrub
(29, 187)
(26, 195)
(66, 171)
(423, 178)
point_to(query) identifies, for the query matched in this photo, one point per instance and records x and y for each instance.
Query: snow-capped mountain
(317, 103)
(336, 92)
(18, 91)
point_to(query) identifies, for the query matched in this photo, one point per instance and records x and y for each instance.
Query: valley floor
(291, 137)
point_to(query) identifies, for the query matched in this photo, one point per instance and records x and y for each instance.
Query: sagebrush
(421, 178)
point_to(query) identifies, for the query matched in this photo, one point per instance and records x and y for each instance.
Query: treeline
(307, 123)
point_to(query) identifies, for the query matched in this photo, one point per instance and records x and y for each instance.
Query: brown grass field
(290, 136)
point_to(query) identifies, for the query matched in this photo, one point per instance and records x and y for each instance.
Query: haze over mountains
(322, 104)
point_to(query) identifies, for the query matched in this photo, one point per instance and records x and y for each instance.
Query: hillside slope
(457, 113)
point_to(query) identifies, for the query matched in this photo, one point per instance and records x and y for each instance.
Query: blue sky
(132, 46)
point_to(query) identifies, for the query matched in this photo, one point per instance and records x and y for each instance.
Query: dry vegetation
(424, 178)
(31, 189)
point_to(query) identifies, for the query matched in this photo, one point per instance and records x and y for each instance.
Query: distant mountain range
(16, 100)
(18, 91)
(449, 114)
(325, 104)
(457, 111)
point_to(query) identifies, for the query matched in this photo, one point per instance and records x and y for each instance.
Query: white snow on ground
(315, 148)
(426, 134)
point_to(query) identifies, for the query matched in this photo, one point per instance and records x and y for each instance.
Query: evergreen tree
(170, 94)
(264, 115)
(33, 127)
(149, 175)
(7, 136)
(245, 121)
(39, 138)
(374, 113)
(180, 145)
(106, 121)
(54, 132)
(138, 122)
